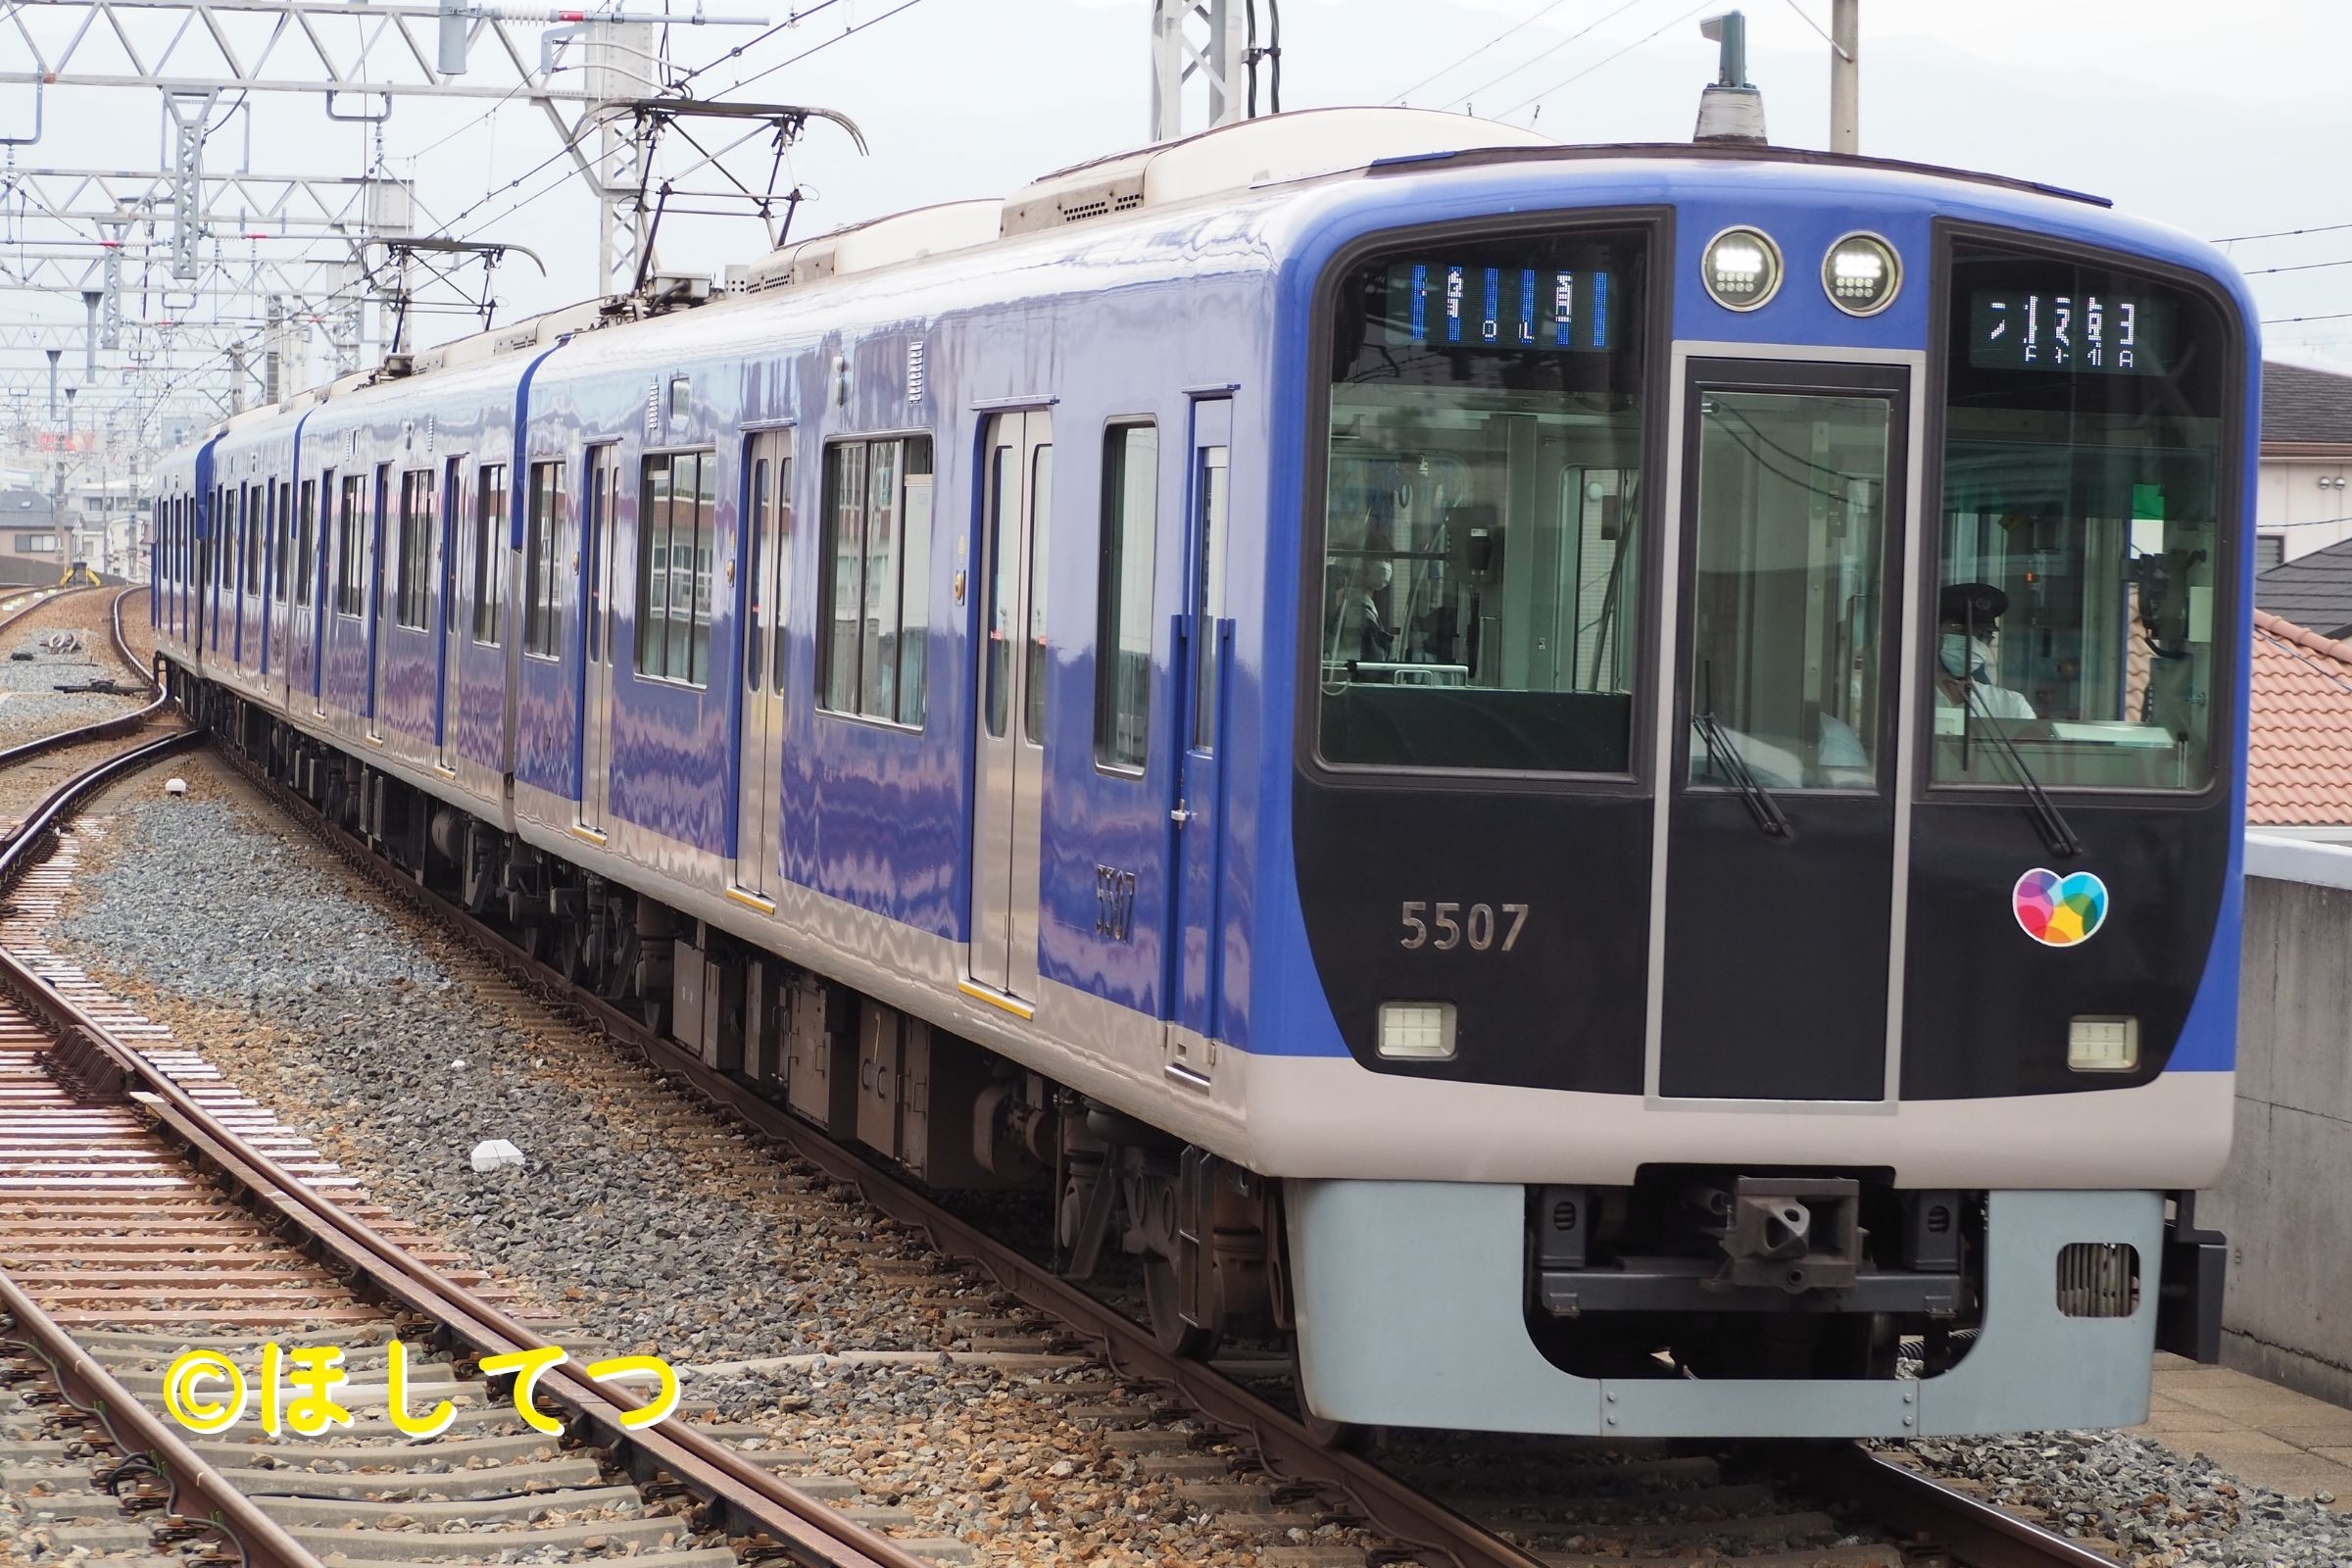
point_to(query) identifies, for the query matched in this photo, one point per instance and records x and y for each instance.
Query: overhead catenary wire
(1517, 27)
(1610, 58)
(846, 32)
(794, 20)
(1536, 59)
(2280, 233)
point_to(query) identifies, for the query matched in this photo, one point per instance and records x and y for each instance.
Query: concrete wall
(2285, 1201)
(2289, 498)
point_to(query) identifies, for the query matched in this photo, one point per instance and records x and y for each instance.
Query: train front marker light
(1416, 1031)
(1742, 269)
(1861, 275)
(2102, 1044)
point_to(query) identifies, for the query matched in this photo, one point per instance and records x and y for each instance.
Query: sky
(2219, 120)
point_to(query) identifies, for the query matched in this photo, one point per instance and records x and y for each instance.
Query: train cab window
(676, 533)
(489, 552)
(1787, 614)
(1123, 601)
(1477, 568)
(2082, 587)
(542, 570)
(351, 563)
(874, 579)
(305, 530)
(411, 590)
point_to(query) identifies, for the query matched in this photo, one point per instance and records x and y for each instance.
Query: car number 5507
(1455, 924)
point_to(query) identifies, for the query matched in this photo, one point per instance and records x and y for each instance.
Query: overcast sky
(2218, 119)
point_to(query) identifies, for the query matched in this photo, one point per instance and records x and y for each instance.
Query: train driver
(1968, 616)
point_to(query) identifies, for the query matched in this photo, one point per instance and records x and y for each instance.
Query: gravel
(2162, 1507)
(30, 706)
(633, 1218)
(331, 1002)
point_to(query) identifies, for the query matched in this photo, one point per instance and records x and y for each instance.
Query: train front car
(1769, 723)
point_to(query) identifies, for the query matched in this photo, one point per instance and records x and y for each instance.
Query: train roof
(1305, 147)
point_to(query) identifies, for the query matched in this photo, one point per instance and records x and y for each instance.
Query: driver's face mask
(1964, 658)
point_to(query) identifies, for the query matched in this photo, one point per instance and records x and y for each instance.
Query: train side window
(542, 582)
(306, 526)
(489, 552)
(1123, 603)
(351, 520)
(874, 579)
(257, 523)
(282, 548)
(677, 530)
(756, 606)
(411, 593)
(257, 539)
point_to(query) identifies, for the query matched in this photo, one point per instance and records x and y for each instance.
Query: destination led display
(2079, 332)
(1454, 305)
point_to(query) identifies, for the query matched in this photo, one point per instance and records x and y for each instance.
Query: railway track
(38, 763)
(147, 1208)
(1470, 1500)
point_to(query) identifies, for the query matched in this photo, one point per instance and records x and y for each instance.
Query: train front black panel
(1985, 1011)
(1554, 1004)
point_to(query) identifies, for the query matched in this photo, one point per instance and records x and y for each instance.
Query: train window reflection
(2076, 609)
(1478, 574)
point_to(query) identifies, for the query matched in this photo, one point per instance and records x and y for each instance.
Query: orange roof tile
(2299, 751)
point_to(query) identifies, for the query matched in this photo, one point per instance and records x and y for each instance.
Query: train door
(377, 579)
(316, 559)
(765, 549)
(1008, 769)
(274, 637)
(1783, 758)
(1196, 948)
(453, 614)
(301, 507)
(596, 704)
(274, 574)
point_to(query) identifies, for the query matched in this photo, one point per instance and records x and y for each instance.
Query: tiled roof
(2312, 590)
(2299, 752)
(2301, 404)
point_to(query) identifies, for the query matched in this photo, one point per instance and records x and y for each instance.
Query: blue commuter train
(1602, 782)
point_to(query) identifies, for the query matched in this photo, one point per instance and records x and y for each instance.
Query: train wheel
(1161, 1294)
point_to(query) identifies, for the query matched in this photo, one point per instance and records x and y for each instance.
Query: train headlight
(1416, 1031)
(2104, 1044)
(1861, 275)
(1742, 269)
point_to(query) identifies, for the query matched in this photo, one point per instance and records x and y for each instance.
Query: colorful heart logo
(2059, 912)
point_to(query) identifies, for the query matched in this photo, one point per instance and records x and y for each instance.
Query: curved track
(1924, 1521)
(88, 1120)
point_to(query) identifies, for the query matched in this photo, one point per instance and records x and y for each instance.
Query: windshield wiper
(2048, 818)
(1727, 761)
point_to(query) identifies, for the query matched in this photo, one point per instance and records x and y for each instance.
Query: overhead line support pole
(1845, 76)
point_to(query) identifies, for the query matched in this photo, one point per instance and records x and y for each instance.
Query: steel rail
(138, 1432)
(745, 1499)
(1977, 1534)
(1393, 1505)
(105, 728)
